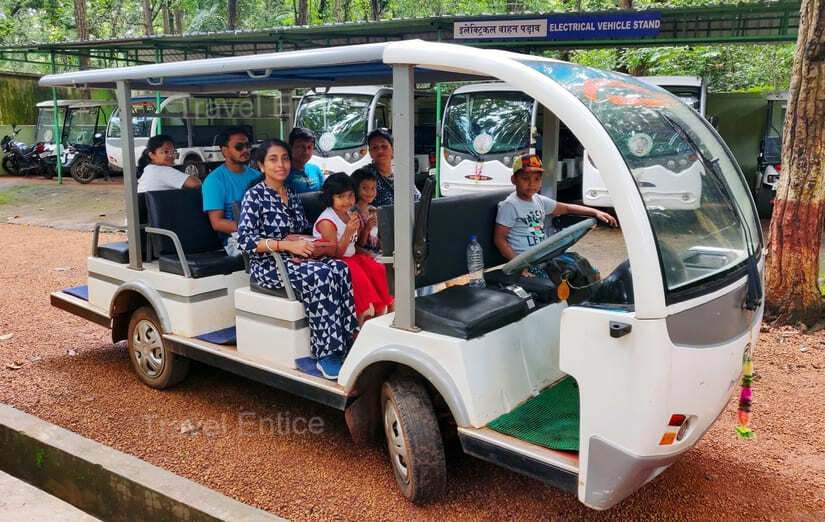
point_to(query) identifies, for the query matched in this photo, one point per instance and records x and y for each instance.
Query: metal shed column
(403, 121)
(127, 144)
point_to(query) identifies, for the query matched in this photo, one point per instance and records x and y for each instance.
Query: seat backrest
(313, 206)
(181, 211)
(452, 221)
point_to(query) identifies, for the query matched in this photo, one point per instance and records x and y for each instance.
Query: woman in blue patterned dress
(270, 216)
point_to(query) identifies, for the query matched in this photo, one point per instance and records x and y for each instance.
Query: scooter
(86, 162)
(22, 159)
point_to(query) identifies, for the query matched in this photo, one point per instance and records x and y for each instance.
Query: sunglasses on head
(241, 145)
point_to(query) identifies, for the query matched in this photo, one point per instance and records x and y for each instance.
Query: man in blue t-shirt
(227, 183)
(304, 177)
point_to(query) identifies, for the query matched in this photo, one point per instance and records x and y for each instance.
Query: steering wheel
(550, 247)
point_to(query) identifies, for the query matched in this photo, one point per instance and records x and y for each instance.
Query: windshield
(662, 141)
(488, 122)
(80, 125)
(45, 124)
(340, 119)
(141, 123)
(690, 96)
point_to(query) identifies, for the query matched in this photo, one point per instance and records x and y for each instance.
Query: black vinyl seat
(181, 212)
(277, 292)
(118, 251)
(467, 312)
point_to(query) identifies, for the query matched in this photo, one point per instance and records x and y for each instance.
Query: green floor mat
(551, 419)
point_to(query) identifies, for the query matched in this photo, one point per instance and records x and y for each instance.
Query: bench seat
(467, 312)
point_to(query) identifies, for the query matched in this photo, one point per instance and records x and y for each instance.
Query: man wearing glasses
(227, 183)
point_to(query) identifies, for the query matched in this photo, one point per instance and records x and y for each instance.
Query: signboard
(498, 29)
(563, 27)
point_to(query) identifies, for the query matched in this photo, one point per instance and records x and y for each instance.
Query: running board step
(559, 469)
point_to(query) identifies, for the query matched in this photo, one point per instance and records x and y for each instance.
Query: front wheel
(152, 360)
(10, 166)
(413, 439)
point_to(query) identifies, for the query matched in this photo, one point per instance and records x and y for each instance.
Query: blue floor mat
(307, 365)
(79, 291)
(225, 336)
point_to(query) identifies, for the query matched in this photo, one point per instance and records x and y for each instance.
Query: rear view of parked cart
(594, 385)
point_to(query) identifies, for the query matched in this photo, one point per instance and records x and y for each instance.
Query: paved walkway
(22, 501)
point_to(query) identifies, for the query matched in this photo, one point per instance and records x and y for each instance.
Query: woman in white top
(155, 170)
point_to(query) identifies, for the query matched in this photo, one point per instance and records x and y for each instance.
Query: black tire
(10, 166)
(151, 358)
(83, 170)
(49, 172)
(193, 166)
(413, 439)
(764, 202)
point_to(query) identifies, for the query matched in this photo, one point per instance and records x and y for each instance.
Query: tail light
(778, 168)
(677, 429)
(432, 159)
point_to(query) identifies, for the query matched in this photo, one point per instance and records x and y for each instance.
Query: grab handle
(618, 329)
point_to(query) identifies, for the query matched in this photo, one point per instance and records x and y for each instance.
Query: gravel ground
(252, 442)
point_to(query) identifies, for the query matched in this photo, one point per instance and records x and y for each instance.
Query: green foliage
(728, 68)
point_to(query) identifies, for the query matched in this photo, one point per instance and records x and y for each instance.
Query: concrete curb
(104, 482)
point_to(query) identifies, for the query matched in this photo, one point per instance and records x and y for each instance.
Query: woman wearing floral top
(270, 216)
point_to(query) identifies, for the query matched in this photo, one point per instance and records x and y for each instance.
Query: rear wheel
(10, 166)
(413, 439)
(83, 170)
(152, 360)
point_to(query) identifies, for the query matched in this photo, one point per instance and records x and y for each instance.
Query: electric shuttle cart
(596, 398)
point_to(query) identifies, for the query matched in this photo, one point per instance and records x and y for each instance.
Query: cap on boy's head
(527, 163)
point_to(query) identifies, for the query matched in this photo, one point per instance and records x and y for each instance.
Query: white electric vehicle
(194, 122)
(597, 397)
(44, 132)
(673, 182)
(342, 117)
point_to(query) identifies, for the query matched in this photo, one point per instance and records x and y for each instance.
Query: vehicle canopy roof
(669, 81)
(76, 104)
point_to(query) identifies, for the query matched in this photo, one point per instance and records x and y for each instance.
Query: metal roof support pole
(58, 136)
(127, 147)
(403, 120)
(438, 127)
(158, 59)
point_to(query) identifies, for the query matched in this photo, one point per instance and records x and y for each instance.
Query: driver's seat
(458, 311)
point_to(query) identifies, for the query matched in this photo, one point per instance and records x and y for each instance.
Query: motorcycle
(86, 162)
(22, 159)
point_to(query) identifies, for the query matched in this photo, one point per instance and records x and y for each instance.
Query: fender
(424, 365)
(150, 294)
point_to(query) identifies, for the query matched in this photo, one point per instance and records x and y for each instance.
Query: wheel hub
(396, 441)
(148, 349)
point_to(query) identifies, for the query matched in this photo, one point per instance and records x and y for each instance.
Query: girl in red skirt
(339, 224)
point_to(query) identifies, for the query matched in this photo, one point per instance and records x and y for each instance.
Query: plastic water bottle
(475, 263)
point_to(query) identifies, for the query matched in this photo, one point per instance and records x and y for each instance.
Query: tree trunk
(82, 27)
(147, 18)
(179, 20)
(232, 14)
(792, 294)
(303, 12)
(337, 9)
(167, 27)
(626, 4)
(375, 9)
